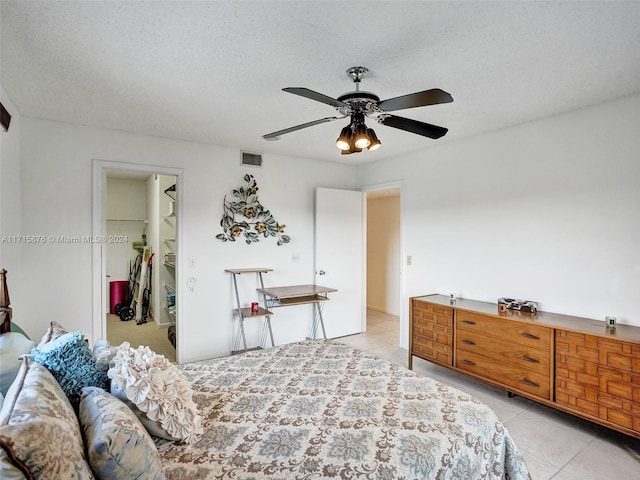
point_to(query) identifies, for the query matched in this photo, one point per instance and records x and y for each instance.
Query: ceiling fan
(360, 104)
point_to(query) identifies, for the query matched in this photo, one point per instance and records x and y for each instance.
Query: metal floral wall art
(245, 215)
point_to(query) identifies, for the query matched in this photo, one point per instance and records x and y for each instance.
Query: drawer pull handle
(529, 335)
(526, 381)
(468, 322)
(529, 359)
(469, 362)
(468, 342)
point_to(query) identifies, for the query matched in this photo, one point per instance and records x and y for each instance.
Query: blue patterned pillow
(118, 446)
(70, 359)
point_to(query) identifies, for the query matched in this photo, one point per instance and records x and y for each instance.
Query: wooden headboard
(5, 309)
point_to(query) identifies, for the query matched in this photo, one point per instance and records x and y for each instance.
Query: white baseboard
(377, 309)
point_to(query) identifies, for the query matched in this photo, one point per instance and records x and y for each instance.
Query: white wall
(545, 211)
(57, 200)
(383, 254)
(126, 216)
(10, 206)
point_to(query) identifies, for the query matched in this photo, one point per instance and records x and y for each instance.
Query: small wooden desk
(299, 295)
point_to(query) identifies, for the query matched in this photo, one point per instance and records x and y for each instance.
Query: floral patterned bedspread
(321, 409)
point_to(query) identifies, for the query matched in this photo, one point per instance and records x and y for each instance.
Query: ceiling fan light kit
(359, 105)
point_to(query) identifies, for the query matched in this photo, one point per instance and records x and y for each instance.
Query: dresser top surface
(555, 320)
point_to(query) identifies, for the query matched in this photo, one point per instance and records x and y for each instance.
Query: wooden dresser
(574, 364)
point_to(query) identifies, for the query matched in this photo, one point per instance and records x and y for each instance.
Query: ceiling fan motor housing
(358, 102)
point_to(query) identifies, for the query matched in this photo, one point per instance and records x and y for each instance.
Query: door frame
(404, 314)
(99, 229)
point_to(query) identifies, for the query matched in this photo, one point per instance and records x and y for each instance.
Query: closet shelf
(171, 311)
(171, 192)
(168, 218)
(127, 220)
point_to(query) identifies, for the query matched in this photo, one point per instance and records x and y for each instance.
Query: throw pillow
(12, 346)
(16, 328)
(54, 331)
(103, 352)
(70, 359)
(8, 471)
(39, 431)
(118, 446)
(156, 391)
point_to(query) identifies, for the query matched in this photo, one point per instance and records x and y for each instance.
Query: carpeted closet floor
(147, 334)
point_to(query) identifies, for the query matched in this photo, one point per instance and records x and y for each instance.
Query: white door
(339, 261)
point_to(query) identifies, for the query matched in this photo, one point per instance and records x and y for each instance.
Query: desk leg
(242, 335)
(317, 318)
(319, 306)
(268, 320)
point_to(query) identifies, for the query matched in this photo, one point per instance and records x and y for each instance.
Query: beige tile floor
(555, 445)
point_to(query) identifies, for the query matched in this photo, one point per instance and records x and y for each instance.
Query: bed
(319, 410)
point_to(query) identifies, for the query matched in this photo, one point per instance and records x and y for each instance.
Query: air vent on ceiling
(251, 159)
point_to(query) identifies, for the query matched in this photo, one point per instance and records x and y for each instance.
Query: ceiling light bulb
(344, 140)
(342, 144)
(375, 143)
(361, 138)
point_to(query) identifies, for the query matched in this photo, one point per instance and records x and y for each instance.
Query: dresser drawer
(619, 411)
(425, 313)
(434, 351)
(619, 383)
(435, 332)
(433, 322)
(503, 351)
(522, 333)
(578, 396)
(577, 345)
(508, 375)
(577, 383)
(617, 354)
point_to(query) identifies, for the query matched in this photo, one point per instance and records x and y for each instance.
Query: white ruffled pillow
(157, 391)
(103, 352)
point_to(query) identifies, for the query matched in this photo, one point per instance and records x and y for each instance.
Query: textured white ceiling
(213, 71)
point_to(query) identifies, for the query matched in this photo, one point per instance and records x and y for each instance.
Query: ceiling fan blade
(275, 135)
(413, 126)
(318, 97)
(418, 99)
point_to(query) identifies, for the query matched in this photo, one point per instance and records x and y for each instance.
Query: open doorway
(384, 261)
(136, 211)
(140, 262)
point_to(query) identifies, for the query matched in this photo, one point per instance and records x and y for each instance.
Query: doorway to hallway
(383, 255)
